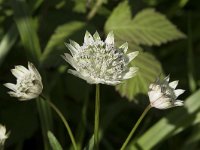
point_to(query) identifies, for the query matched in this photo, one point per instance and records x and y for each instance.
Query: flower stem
(63, 120)
(45, 120)
(135, 127)
(96, 120)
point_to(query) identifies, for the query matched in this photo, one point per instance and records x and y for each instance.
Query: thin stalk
(45, 120)
(63, 120)
(135, 127)
(96, 120)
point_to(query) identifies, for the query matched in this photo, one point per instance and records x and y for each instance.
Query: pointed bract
(179, 92)
(88, 39)
(132, 55)
(21, 68)
(131, 73)
(173, 84)
(124, 47)
(71, 48)
(11, 86)
(68, 58)
(75, 45)
(96, 36)
(17, 73)
(110, 39)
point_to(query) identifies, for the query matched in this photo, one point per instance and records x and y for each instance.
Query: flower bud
(162, 94)
(29, 83)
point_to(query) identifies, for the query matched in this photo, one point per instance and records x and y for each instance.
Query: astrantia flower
(163, 95)
(29, 83)
(3, 135)
(98, 61)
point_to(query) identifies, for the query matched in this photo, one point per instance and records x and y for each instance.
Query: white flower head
(29, 83)
(163, 95)
(3, 135)
(98, 61)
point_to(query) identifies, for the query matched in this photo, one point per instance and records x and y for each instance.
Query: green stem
(45, 120)
(63, 120)
(96, 120)
(135, 127)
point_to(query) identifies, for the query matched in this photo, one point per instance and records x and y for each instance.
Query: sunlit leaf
(26, 29)
(55, 145)
(147, 27)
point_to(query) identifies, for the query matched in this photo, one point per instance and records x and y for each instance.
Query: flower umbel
(163, 95)
(98, 61)
(3, 135)
(29, 83)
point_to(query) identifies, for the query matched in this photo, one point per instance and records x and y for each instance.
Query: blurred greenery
(53, 141)
(167, 34)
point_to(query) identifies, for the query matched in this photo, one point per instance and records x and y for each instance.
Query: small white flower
(3, 135)
(29, 83)
(163, 95)
(98, 61)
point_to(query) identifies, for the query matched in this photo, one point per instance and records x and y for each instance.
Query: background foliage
(165, 32)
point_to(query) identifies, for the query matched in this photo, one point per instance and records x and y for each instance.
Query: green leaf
(90, 145)
(80, 6)
(26, 29)
(7, 42)
(59, 37)
(149, 69)
(148, 27)
(34, 5)
(55, 145)
(177, 120)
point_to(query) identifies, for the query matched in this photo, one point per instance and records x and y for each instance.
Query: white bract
(98, 61)
(29, 83)
(3, 135)
(163, 95)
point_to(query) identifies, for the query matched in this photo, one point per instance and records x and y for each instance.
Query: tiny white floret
(29, 83)
(162, 94)
(3, 135)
